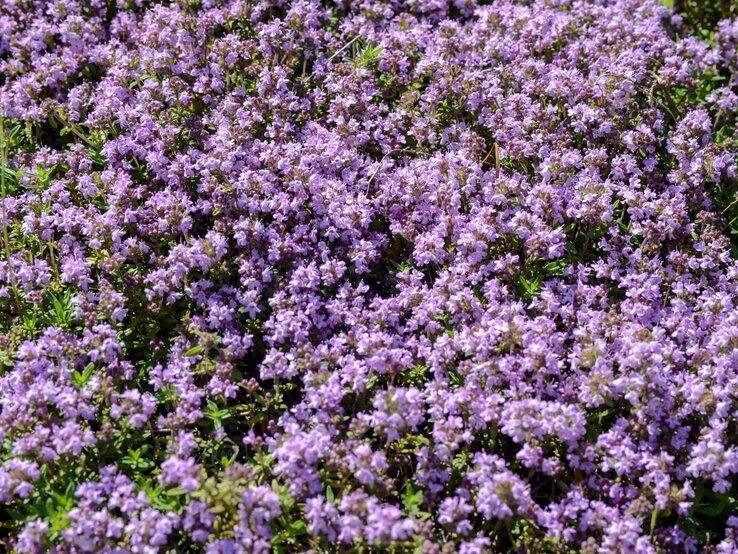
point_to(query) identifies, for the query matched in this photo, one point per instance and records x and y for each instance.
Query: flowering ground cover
(423, 276)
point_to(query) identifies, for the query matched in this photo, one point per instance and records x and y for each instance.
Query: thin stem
(54, 265)
(497, 161)
(733, 203)
(73, 128)
(381, 162)
(6, 238)
(349, 43)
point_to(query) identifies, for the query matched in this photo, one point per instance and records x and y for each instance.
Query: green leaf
(654, 519)
(298, 528)
(529, 287)
(412, 499)
(194, 351)
(176, 491)
(711, 510)
(81, 379)
(555, 267)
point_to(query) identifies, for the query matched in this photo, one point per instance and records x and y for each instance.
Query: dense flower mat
(394, 276)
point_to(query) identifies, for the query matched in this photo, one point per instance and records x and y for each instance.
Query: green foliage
(702, 16)
(365, 54)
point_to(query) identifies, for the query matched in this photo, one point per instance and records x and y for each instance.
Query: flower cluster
(429, 276)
